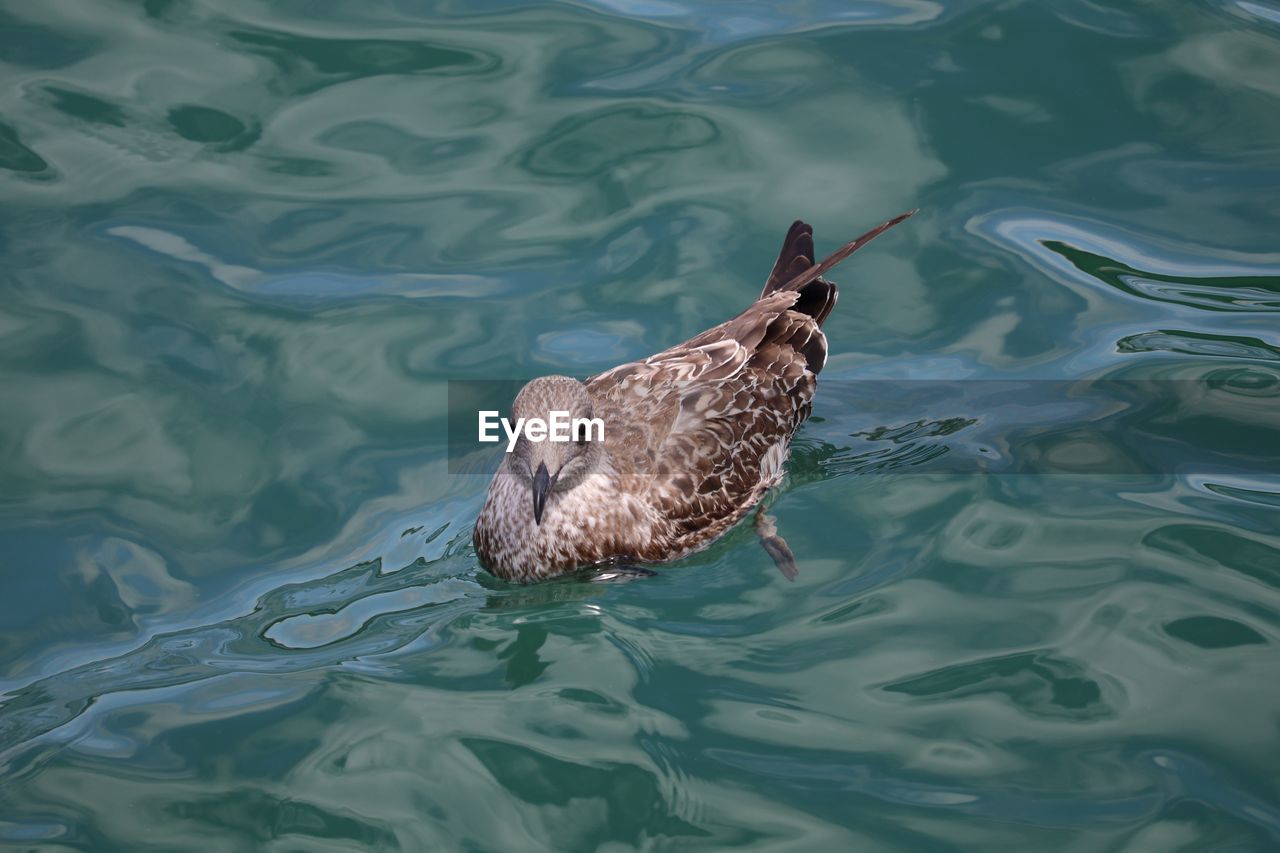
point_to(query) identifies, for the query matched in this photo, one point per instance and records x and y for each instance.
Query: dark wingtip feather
(794, 258)
(816, 299)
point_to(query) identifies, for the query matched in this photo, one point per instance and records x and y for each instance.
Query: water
(246, 246)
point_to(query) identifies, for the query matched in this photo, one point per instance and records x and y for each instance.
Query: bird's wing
(702, 428)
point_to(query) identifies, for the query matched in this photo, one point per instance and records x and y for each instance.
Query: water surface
(245, 247)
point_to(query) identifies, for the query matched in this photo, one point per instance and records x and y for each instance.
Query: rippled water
(246, 245)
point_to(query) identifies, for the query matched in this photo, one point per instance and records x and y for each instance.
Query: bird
(694, 437)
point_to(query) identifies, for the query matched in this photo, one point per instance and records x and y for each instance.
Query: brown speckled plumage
(694, 436)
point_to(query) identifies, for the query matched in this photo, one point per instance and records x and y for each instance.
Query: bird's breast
(596, 520)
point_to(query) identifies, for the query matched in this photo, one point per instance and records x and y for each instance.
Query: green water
(246, 245)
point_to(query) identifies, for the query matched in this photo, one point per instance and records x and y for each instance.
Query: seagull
(694, 437)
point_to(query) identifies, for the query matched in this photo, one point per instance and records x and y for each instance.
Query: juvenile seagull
(693, 437)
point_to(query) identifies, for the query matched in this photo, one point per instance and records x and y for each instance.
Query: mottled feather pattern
(694, 435)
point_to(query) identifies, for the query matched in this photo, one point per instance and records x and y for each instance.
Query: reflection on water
(248, 246)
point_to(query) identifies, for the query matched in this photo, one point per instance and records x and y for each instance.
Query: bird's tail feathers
(795, 269)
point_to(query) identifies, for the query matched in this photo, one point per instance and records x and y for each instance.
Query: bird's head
(550, 465)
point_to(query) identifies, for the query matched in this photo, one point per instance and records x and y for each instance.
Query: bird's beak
(543, 483)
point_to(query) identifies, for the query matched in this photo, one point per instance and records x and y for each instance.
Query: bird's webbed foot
(775, 546)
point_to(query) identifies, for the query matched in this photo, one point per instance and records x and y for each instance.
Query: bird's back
(701, 430)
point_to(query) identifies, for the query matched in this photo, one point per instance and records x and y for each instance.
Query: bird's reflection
(521, 654)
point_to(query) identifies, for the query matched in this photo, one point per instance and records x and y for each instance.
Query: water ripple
(247, 245)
